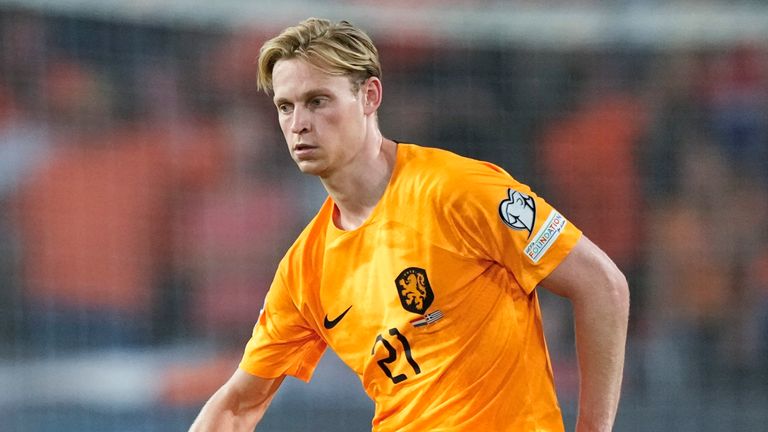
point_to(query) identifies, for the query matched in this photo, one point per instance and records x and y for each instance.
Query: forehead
(297, 76)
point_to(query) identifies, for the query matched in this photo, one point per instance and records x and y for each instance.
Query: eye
(285, 108)
(317, 102)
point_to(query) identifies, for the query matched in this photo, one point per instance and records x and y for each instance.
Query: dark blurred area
(146, 197)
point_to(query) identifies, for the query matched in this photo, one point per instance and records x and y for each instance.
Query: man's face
(323, 121)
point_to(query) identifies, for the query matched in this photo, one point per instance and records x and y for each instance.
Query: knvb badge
(414, 290)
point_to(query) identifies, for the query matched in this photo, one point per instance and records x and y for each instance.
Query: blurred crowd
(146, 195)
(142, 201)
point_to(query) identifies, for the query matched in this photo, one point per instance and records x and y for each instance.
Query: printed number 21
(393, 355)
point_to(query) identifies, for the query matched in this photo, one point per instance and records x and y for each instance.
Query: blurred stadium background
(146, 195)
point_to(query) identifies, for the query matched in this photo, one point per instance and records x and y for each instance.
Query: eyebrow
(304, 96)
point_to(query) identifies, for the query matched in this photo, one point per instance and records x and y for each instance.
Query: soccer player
(420, 269)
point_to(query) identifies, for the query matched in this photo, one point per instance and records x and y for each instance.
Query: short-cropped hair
(335, 48)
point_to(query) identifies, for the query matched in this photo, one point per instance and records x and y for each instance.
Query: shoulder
(433, 157)
(309, 244)
(444, 174)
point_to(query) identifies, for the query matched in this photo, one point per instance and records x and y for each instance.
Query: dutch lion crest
(414, 290)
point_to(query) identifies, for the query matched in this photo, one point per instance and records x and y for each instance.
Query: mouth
(302, 147)
(303, 151)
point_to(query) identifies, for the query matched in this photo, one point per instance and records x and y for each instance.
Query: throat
(357, 192)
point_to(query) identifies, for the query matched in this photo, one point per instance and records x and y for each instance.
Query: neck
(357, 190)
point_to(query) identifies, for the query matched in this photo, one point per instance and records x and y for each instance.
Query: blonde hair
(337, 49)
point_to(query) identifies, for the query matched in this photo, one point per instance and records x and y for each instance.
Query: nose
(299, 121)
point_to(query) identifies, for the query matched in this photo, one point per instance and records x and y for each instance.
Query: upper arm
(587, 272)
(284, 341)
(489, 215)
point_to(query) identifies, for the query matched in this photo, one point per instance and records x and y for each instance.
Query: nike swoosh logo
(329, 324)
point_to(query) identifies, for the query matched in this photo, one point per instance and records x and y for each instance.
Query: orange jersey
(431, 301)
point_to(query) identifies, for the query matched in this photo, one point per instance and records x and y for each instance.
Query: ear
(372, 93)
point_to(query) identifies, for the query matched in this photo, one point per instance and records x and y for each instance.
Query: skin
(599, 294)
(332, 133)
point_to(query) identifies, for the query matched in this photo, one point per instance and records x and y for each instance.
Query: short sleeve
(282, 343)
(500, 219)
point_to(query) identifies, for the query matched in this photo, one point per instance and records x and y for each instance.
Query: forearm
(223, 412)
(601, 331)
(239, 405)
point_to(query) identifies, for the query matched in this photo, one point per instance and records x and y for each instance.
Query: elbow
(617, 291)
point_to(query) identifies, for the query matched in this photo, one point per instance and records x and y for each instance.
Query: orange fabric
(483, 364)
(96, 219)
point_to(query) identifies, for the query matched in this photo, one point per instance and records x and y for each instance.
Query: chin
(310, 168)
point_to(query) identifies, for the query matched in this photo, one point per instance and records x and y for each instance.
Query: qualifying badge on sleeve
(518, 211)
